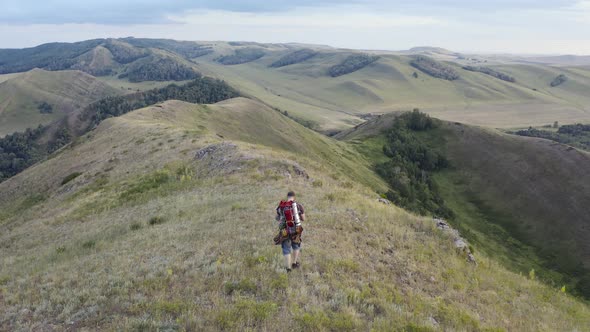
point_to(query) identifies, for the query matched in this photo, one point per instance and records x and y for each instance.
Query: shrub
(135, 226)
(246, 313)
(45, 108)
(320, 320)
(147, 183)
(317, 184)
(245, 286)
(559, 80)
(168, 307)
(89, 244)
(315, 321)
(70, 177)
(156, 220)
(280, 283)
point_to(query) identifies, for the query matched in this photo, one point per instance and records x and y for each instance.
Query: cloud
(347, 17)
(518, 26)
(156, 11)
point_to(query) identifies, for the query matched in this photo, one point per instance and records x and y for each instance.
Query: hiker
(290, 214)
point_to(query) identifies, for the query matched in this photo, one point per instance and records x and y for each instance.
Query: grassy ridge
(149, 237)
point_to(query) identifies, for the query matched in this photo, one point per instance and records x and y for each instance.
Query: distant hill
(162, 219)
(431, 50)
(561, 60)
(305, 89)
(64, 91)
(522, 200)
(104, 57)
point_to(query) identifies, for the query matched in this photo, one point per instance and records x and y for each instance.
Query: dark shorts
(287, 245)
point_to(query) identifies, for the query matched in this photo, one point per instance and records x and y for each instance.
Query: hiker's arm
(301, 212)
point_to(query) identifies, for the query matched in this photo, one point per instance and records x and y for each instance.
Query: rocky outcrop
(459, 242)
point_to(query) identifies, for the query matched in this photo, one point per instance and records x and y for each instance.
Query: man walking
(290, 214)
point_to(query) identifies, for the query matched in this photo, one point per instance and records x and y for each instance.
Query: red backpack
(287, 212)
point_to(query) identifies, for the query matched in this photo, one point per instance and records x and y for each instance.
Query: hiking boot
(295, 265)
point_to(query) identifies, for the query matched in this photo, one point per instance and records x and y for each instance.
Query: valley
(142, 197)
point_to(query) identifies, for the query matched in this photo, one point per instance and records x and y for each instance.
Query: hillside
(163, 219)
(65, 92)
(522, 200)
(296, 78)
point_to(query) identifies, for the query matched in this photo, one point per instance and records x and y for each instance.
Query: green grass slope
(306, 90)
(537, 190)
(522, 200)
(65, 91)
(162, 219)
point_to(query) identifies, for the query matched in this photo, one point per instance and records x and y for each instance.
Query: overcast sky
(494, 26)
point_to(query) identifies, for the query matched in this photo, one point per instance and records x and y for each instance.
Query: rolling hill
(163, 219)
(65, 92)
(523, 200)
(305, 89)
(391, 84)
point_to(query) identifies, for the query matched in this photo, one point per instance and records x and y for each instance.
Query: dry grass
(87, 257)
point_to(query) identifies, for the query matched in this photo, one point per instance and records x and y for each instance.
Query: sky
(494, 26)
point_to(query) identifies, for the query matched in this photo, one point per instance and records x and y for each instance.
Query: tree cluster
(241, 55)
(19, 150)
(45, 108)
(188, 49)
(491, 72)
(352, 63)
(158, 69)
(294, 57)
(52, 56)
(410, 165)
(434, 68)
(577, 135)
(202, 90)
(60, 56)
(125, 53)
(559, 80)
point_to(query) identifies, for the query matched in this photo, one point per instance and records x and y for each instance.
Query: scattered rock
(208, 150)
(433, 321)
(459, 242)
(441, 224)
(299, 171)
(354, 215)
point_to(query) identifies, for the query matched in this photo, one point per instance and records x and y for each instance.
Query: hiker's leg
(296, 251)
(286, 246)
(296, 255)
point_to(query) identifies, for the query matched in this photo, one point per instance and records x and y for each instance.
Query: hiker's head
(291, 195)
